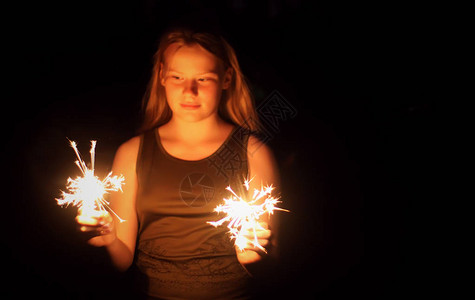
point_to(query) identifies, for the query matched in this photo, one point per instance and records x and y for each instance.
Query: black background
(355, 161)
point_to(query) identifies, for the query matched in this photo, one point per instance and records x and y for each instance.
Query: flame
(87, 192)
(243, 216)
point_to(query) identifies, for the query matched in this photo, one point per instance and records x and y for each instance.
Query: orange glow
(243, 216)
(87, 192)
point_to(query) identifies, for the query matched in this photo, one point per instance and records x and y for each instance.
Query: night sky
(352, 142)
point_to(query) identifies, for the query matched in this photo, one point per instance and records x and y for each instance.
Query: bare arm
(122, 251)
(119, 237)
(263, 171)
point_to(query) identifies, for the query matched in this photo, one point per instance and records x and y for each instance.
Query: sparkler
(87, 192)
(243, 216)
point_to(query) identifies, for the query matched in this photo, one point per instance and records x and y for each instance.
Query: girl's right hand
(99, 231)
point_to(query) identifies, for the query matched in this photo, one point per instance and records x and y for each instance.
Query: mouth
(190, 106)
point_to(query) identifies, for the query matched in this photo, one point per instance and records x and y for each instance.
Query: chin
(191, 118)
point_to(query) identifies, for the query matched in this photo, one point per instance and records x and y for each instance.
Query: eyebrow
(203, 73)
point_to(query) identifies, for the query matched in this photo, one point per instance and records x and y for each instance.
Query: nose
(190, 88)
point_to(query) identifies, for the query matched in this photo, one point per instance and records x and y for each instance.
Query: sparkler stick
(87, 192)
(243, 216)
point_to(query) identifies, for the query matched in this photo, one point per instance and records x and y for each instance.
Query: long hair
(236, 104)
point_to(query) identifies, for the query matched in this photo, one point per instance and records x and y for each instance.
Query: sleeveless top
(178, 254)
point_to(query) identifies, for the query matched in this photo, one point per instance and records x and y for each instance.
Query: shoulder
(130, 146)
(261, 161)
(128, 151)
(256, 149)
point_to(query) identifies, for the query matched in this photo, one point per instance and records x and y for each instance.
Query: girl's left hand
(252, 253)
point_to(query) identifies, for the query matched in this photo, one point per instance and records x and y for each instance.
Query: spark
(243, 216)
(87, 191)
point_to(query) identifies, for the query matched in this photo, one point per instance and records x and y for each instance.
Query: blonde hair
(236, 105)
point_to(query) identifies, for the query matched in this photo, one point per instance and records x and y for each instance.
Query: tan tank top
(178, 254)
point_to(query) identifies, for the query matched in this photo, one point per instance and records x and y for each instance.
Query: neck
(195, 131)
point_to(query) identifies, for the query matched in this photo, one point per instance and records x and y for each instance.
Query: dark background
(355, 161)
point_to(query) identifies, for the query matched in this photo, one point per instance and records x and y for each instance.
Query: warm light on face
(193, 79)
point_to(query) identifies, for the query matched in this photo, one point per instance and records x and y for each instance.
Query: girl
(195, 142)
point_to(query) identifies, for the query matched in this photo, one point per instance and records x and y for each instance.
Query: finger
(96, 229)
(255, 245)
(89, 226)
(259, 245)
(86, 228)
(263, 234)
(263, 242)
(259, 233)
(87, 221)
(264, 225)
(95, 218)
(106, 229)
(261, 250)
(105, 218)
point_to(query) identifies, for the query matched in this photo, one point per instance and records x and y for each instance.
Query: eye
(206, 79)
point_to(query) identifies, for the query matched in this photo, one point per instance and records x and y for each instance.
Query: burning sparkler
(87, 192)
(243, 216)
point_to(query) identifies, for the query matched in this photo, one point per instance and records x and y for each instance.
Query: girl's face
(193, 79)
